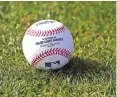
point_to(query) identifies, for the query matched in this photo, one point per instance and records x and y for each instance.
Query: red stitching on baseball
(49, 52)
(53, 31)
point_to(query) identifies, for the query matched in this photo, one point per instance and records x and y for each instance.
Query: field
(90, 73)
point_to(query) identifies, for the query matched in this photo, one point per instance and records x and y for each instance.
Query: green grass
(90, 73)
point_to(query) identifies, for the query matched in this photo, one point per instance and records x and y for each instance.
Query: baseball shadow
(79, 67)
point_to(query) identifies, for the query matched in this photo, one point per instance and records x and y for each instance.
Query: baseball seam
(48, 32)
(49, 52)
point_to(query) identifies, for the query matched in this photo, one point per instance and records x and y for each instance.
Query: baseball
(48, 44)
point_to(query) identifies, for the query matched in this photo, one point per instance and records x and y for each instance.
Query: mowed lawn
(91, 71)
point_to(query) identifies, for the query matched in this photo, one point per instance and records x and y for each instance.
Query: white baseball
(48, 44)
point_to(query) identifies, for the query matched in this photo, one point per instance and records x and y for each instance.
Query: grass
(90, 73)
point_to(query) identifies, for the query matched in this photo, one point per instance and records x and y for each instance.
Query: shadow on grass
(78, 67)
